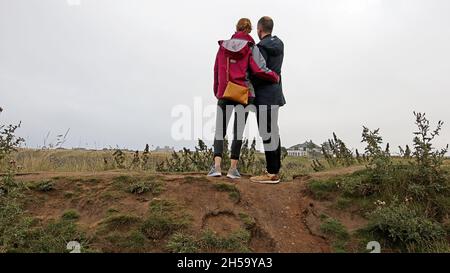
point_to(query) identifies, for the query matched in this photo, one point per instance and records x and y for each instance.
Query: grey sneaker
(233, 173)
(214, 172)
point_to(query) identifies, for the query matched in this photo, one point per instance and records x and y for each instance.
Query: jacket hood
(273, 45)
(243, 36)
(238, 45)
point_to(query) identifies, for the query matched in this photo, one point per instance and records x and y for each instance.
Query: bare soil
(286, 218)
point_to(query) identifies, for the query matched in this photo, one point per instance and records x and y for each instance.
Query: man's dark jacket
(267, 93)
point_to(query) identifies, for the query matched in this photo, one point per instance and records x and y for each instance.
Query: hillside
(182, 212)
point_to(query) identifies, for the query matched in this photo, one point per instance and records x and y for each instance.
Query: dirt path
(282, 212)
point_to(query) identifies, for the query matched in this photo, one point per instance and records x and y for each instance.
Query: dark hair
(266, 23)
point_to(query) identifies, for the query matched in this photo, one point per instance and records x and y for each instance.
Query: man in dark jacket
(269, 98)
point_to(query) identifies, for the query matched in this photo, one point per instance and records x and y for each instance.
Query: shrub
(336, 152)
(14, 227)
(146, 158)
(248, 161)
(424, 180)
(317, 166)
(119, 158)
(357, 184)
(8, 140)
(188, 161)
(429, 176)
(53, 237)
(136, 162)
(404, 227)
(201, 159)
(379, 160)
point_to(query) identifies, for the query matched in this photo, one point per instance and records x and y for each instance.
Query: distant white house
(308, 148)
(165, 149)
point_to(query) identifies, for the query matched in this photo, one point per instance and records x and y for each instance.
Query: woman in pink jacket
(236, 60)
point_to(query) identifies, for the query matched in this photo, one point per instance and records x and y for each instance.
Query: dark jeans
(224, 110)
(267, 117)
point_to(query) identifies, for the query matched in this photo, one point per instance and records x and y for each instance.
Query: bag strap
(228, 69)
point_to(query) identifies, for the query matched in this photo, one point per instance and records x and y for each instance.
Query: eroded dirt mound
(222, 223)
(278, 218)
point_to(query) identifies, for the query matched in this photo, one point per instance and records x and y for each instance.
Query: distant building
(165, 149)
(308, 148)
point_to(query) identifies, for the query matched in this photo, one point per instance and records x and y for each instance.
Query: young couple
(256, 67)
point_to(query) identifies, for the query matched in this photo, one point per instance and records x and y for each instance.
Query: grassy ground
(388, 213)
(62, 160)
(31, 160)
(124, 211)
(66, 195)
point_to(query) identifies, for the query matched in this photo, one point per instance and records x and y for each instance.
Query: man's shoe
(214, 172)
(233, 173)
(266, 178)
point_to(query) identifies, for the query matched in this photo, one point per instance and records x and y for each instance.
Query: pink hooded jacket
(244, 60)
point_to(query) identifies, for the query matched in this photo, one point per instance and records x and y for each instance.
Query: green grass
(195, 179)
(182, 243)
(343, 202)
(405, 227)
(334, 228)
(337, 233)
(43, 186)
(208, 241)
(70, 215)
(132, 241)
(237, 241)
(138, 185)
(75, 160)
(52, 238)
(112, 195)
(232, 190)
(91, 180)
(111, 211)
(69, 194)
(119, 221)
(143, 186)
(248, 221)
(322, 189)
(129, 233)
(294, 166)
(164, 218)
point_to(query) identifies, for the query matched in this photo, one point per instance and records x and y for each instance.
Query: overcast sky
(113, 70)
